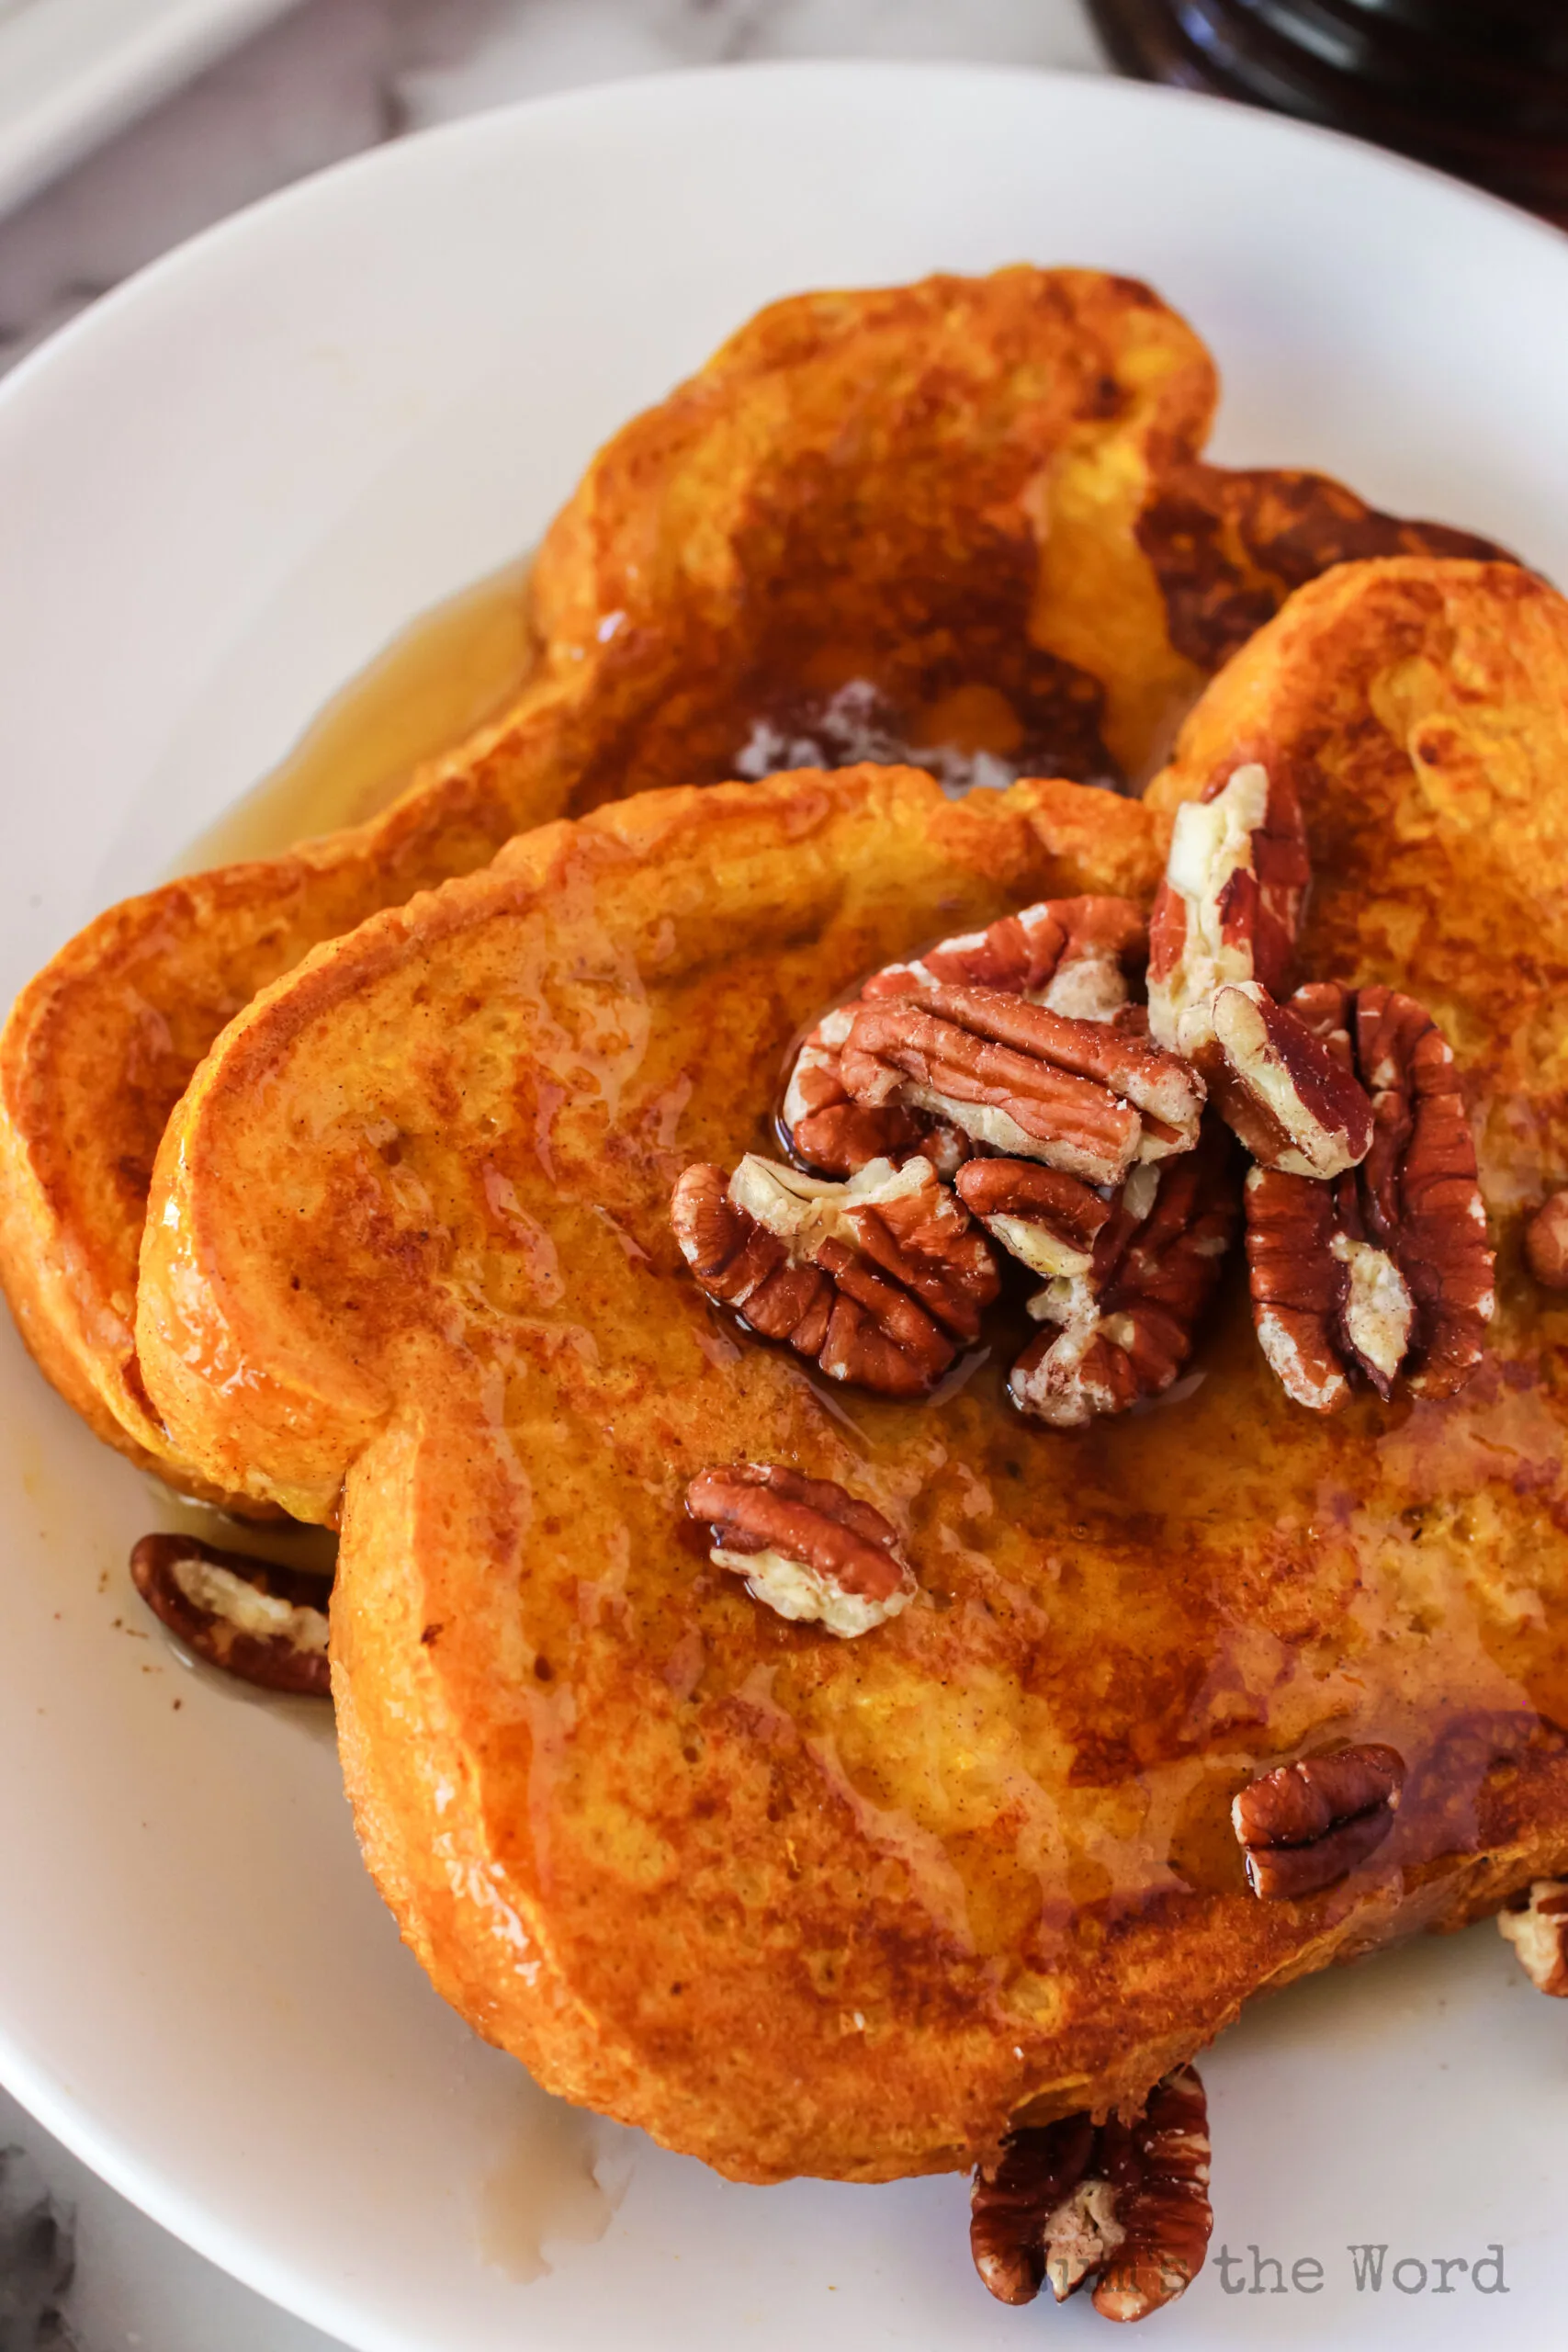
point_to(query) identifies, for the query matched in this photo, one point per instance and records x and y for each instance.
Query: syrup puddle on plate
(287, 1543)
(454, 668)
(451, 671)
(559, 2184)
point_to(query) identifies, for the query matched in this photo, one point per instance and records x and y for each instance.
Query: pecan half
(1158, 2168)
(1048, 1221)
(877, 1279)
(1304, 1826)
(261, 1624)
(1076, 957)
(1546, 1243)
(1125, 2204)
(806, 1547)
(1126, 1328)
(1040, 2167)
(1326, 1306)
(822, 1125)
(1280, 1088)
(1539, 1933)
(1021, 1080)
(1230, 906)
(1387, 1271)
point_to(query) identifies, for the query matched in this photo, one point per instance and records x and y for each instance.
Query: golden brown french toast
(1418, 709)
(790, 1901)
(968, 515)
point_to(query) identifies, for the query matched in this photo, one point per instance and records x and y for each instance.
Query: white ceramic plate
(222, 492)
(73, 71)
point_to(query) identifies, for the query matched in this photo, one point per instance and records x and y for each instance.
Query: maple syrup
(449, 671)
(456, 666)
(1101, 1559)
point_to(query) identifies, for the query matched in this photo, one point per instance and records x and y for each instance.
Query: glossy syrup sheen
(431, 1192)
(450, 671)
(1403, 1558)
(453, 668)
(1119, 1626)
(1130, 1619)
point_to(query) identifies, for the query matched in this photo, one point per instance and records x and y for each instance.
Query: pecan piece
(1420, 1186)
(1080, 1095)
(1048, 1221)
(1278, 1086)
(1387, 1271)
(1546, 1243)
(1539, 1933)
(1126, 1328)
(806, 1547)
(261, 1624)
(1230, 906)
(1076, 957)
(1039, 2168)
(1125, 2204)
(821, 1125)
(877, 1279)
(1158, 2168)
(1301, 1277)
(1302, 1827)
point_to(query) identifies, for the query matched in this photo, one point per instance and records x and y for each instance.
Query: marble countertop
(335, 76)
(80, 2270)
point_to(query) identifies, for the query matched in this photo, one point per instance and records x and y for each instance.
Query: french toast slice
(968, 515)
(851, 1907)
(1418, 710)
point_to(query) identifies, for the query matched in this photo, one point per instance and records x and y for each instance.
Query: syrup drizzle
(1110, 1668)
(1047, 1744)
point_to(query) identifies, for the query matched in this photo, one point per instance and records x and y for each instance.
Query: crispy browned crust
(793, 1904)
(1418, 710)
(981, 496)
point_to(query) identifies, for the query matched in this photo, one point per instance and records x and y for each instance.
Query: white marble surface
(334, 77)
(339, 75)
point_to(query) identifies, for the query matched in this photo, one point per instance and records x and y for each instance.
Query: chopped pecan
(1125, 2204)
(1076, 957)
(261, 1624)
(1302, 1827)
(1539, 1933)
(1387, 1271)
(1230, 906)
(1127, 1327)
(1048, 1221)
(1032, 1084)
(1278, 1086)
(877, 1279)
(1546, 1243)
(806, 1547)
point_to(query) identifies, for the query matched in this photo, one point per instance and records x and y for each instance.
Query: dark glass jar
(1477, 87)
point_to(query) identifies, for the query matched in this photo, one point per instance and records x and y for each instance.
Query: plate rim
(390, 155)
